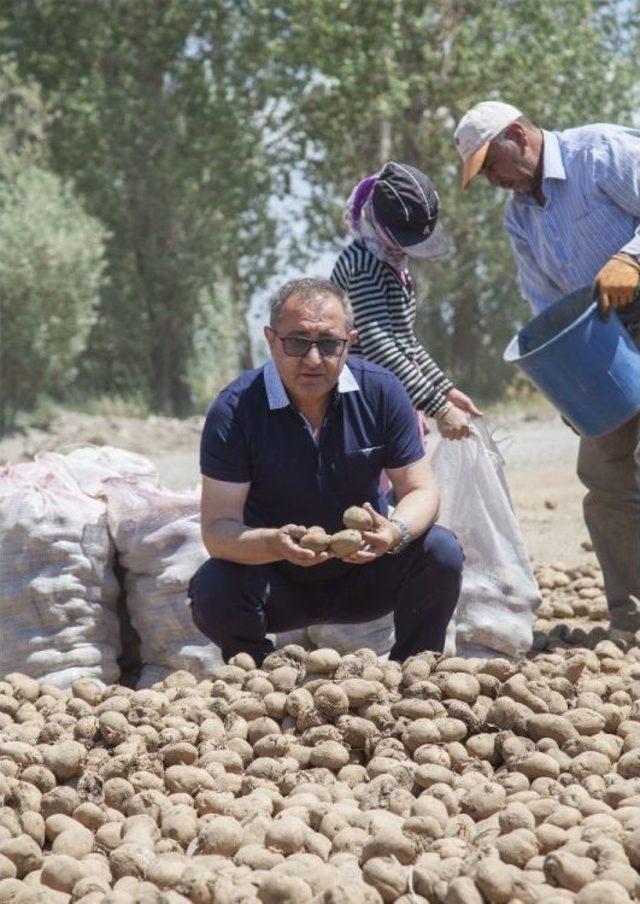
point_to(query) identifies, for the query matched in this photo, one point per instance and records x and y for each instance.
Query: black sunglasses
(299, 346)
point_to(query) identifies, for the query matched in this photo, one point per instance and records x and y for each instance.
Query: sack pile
(58, 592)
(69, 522)
(157, 535)
(65, 520)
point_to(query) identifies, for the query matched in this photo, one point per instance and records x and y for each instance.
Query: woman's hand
(463, 402)
(455, 424)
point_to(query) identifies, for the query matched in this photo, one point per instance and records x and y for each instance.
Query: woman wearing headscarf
(393, 216)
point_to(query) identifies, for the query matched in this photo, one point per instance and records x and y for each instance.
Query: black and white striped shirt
(385, 311)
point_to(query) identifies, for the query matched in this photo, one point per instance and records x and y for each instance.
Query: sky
(289, 215)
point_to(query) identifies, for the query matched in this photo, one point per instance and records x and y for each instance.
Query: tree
(390, 80)
(179, 119)
(159, 104)
(51, 260)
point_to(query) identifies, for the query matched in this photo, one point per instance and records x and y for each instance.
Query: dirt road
(540, 456)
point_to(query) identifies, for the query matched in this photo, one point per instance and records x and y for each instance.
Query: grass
(48, 409)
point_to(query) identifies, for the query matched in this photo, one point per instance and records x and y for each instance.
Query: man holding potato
(294, 444)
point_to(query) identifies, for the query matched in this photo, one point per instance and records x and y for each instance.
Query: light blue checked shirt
(591, 182)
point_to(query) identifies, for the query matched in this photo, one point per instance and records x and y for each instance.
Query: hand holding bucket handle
(617, 284)
(590, 374)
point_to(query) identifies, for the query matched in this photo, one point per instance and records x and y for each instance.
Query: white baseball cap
(476, 129)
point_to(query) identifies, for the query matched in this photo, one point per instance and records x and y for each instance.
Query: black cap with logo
(406, 204)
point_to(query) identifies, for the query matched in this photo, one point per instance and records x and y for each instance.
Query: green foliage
(217, 335)
(24, 120)
(51, 266)
(178, 120)
(390, 80)
(160, 128)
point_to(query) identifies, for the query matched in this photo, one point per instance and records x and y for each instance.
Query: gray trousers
(609, 467)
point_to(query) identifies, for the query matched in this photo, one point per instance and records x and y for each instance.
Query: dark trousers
(235, 605)
(609, 467)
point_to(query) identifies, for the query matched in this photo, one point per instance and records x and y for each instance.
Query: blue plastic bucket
(589, 369)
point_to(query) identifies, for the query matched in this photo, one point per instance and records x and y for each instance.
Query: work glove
(617, 283)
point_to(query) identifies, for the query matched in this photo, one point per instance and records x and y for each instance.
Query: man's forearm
(235, 542)
(418, 509)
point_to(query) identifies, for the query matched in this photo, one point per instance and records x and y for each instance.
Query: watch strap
(405, 537)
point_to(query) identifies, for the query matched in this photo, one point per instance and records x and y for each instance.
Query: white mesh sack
(499, 595)
(157, 535)
(58, 592)
(30, 473)
(90, 466)
(298, 636)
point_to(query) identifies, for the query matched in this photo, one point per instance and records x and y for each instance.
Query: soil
(540, 455)
(539, 451)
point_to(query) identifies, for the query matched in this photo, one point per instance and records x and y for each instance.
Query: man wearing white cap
(574, 220)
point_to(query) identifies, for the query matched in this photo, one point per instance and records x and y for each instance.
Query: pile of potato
(574, 610)
(571, 592)
(328, 779)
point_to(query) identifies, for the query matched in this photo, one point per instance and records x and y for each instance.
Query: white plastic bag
(58, 592)
(377, 635)
(157, 534)
(297, 636)
(499, 595)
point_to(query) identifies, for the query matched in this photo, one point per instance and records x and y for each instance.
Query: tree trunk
(384, 153)
(464, 342)
(240, 311)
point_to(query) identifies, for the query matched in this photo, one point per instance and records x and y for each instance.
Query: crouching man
(292, 445)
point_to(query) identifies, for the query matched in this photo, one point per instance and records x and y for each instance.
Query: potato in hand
(345, 543)
(316, 539)
(357, 518)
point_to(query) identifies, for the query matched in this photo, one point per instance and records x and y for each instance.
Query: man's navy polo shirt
(256, 436)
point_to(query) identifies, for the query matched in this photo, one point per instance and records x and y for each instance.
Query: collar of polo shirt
(277, 394)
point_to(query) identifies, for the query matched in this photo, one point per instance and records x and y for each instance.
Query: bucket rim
(588, 312)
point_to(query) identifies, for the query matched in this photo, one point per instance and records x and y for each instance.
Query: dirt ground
(539, 452)
(540, 455)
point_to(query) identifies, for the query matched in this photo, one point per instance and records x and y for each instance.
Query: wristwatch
(405, 537)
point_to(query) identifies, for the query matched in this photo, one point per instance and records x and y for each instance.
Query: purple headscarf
(362, 225)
